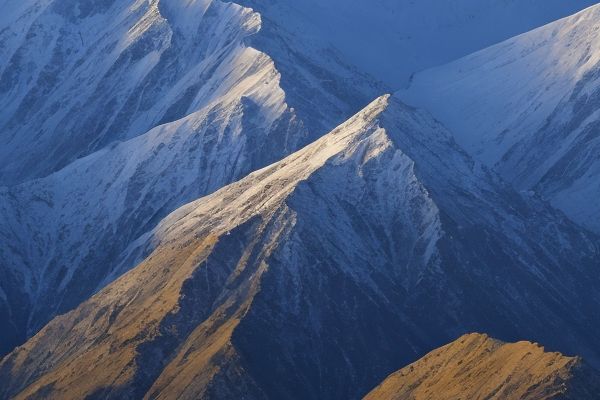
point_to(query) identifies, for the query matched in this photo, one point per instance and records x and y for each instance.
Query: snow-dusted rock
(370, 246)
(166, 100)
(391, 39)
(77, 75)
(529, 107)
(317, 276)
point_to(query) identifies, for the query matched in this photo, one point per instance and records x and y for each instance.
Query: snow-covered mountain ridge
(173, 204)
(78, 75)
(206, 109)
(528, 107)
(392, 39)
(367, 230)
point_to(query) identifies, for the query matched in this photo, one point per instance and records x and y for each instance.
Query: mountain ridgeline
(200, 199)
(478, 367)
(367, 230)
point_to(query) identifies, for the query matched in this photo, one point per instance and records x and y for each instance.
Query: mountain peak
(528, 107)
(191, 182)
(207, 267)
(356, 141)
(476, 366)
(368, 229)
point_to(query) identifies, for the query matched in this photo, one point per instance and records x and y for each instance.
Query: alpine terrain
(366, 231)
(478, 367)
(204, 199)
(205, 108)
(539, 124)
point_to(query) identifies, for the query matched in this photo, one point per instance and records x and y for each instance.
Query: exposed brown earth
(478, 367)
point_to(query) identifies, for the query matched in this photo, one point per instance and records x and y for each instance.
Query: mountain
(367, 247)
(478, 367)
(116, 113)
(78, 75)
(529, 108)
(162, 222)
(391, 39)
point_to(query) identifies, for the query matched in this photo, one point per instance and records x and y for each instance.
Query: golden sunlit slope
(478, 367)
(251, 292)
(164, 329)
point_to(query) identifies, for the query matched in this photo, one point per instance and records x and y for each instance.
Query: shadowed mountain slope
(368, 230)
(167, 100)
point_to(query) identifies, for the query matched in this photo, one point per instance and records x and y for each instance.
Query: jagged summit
(155, 104)
(230, 239)
(476, 366)
(78, 75)
(365, 230)
(187, 215)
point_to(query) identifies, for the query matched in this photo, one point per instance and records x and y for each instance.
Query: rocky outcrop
(476, 367)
